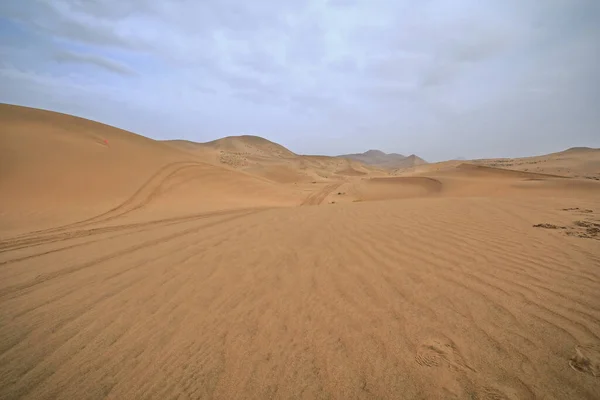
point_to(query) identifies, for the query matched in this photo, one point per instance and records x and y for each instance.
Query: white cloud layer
(439, 78)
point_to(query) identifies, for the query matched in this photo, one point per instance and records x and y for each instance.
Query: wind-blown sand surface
(182, 277)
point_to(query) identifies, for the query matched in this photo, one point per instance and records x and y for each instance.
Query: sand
(145, 269)
(580, 162)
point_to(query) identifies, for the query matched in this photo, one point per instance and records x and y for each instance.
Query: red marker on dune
(106, 142)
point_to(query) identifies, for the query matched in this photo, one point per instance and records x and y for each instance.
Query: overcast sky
(438, 78)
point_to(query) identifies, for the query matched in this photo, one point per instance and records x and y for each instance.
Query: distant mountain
(383, 160)
(579, 149)
(410, 161)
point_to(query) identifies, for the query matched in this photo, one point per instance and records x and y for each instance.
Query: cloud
(259, 61)
(440, 73)
(421, 77)
(342, 3)
(95, 60)
(343, 64)
(65, 19)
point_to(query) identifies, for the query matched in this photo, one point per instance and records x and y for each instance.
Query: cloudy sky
(438, 78)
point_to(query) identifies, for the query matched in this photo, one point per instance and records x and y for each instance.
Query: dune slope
(581, 162)
(58, 167)
(263, 158)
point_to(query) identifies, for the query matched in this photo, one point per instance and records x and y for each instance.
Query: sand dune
(251, 145)
(581, 162)
(469, 180)
(176, 275)
(263, 158)
(57, 167)
(397, 187)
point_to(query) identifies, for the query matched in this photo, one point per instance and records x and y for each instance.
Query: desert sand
(138, 269)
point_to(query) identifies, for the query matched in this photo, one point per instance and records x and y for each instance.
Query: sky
(438, 78)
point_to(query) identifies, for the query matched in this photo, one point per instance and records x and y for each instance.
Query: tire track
(150, 189)
(56, 274)
(104, 297)
(16, 243)
(97, 302)
(317, 198)
(93, 300)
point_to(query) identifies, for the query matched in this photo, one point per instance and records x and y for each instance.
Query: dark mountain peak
(374, 152)
(380, 159)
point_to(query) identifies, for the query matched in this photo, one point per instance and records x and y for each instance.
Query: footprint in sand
(587, 359)
(515, 390)
(441, 351)
(489, 393)
(434, 352)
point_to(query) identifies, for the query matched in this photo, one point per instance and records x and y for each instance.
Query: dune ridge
(579, 162)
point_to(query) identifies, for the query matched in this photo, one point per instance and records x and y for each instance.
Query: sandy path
(416, 299)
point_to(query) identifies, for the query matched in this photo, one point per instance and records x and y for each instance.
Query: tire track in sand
(46, 277)
(33, 241)
(150, 189)
(317, 198)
